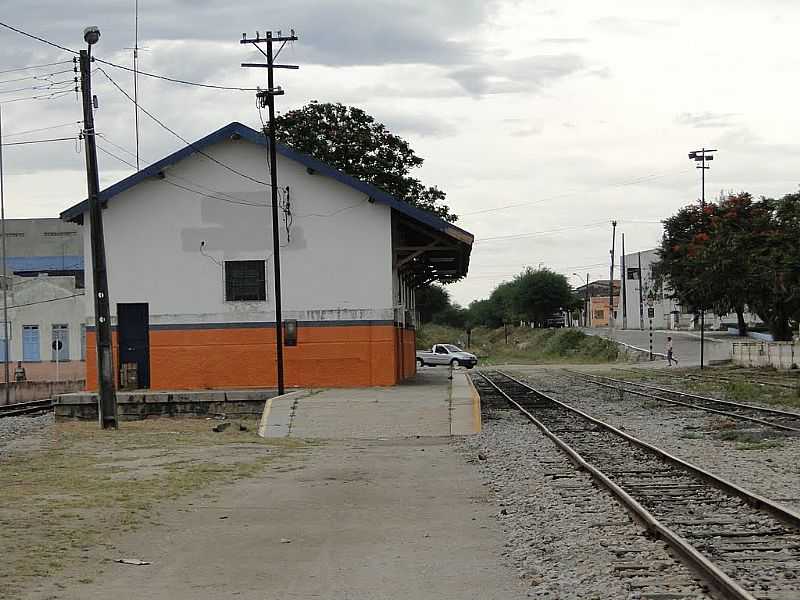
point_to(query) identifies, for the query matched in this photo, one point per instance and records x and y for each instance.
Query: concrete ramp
(430, 405)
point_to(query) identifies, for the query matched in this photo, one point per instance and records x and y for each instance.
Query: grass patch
(525, 345)
(83, 486)
(759, 445)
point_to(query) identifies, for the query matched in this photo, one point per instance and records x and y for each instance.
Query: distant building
(43, 310)
(644, 295)
(191, 271)
(44, 246)
(598, 304)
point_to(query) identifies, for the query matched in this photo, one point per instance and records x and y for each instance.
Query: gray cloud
(706, 119)
(529, 74)
(564, 40)
(347, 32)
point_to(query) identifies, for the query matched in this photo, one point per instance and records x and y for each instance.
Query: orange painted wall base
(244, 357)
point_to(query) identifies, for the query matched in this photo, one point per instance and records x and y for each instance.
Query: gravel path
(567, 539)
(13, 428)
(709, 441)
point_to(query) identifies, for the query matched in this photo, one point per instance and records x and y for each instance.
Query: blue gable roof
(238, 129)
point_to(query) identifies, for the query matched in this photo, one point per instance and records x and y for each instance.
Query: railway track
(744, 546)
(26, 408)
(709, 378)
(768, 417)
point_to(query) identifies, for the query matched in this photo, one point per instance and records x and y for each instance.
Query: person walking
(670, 357)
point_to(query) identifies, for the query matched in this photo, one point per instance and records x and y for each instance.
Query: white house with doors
(191, 270)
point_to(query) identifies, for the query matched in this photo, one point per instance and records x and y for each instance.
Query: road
(686, 345)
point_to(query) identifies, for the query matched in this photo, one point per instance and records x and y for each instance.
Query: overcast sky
(542, 120)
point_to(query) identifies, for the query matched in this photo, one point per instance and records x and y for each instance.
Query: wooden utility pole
(7, 348)
(266, 98)
(102, 313)
(611, 278)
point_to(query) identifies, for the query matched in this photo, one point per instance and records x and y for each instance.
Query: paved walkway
(429, 405)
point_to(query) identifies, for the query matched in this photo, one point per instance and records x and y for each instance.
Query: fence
(781, 355)
(39, 390)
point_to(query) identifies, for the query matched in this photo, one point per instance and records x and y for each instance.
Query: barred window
(245, 280)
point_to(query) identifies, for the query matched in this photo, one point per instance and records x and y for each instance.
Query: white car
(446, 354)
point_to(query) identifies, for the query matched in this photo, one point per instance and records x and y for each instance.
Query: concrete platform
(430, 405)
(141, 404)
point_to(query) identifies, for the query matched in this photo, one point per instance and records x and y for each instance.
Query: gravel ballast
(709, 441)
(13, 428)
(567, 539)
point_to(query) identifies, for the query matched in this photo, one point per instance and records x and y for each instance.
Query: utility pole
(102, 313)
(266, 98)
(702, 156)
(5, 270)
(611, 279)
(641, 294)
(588, 303)
(624, 286)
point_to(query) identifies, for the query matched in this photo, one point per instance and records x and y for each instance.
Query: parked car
(446, 354)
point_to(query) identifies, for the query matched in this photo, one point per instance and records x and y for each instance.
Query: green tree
(776, 270)
(352, 141)
(540, 293)
(431, 300)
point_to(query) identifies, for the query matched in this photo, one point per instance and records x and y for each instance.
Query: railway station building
(191, 271)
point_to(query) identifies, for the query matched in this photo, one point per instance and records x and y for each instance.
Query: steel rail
(717, 578)
(713, 575)
(711, 378)
(25, 408)
(783, 513)
(732, 415)
(762, 409)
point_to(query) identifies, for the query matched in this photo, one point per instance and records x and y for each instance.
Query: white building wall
(45, 301)
(666, 311)
(335, 260)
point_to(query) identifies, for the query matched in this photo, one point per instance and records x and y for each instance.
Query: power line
(31, 67)
(7, 135)
(129, 69)
(636, 181)
(37, 38)
(180, 137)
(37, 77)
(50, 96)
(45, 301)
(26, 142)
(546, 232)
(177, 185)
(232, 199)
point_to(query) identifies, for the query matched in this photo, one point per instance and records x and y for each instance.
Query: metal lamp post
(702, 156)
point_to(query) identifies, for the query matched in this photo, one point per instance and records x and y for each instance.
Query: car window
(452, 348)
(441, 350)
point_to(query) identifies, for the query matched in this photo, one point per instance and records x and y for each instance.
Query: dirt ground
(69, 489)
(357, 519)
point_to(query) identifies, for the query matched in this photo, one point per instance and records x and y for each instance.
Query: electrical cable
(7, 135)
(51, 96)
(129, 69)
(31, 67)
(177, 185)
(638, 180)
(180, 137)
(213, 191)
(26, 142)
(37, 77)
(46, 301)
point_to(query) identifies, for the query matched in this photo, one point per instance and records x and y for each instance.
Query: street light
(702, 156)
